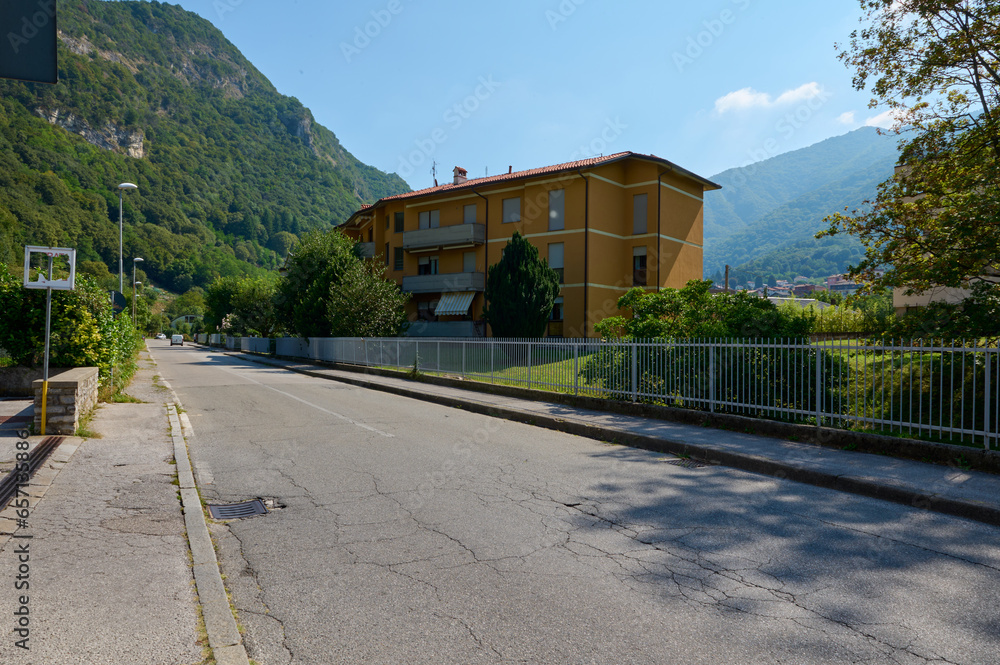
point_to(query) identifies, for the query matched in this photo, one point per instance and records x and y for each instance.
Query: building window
(555, 327)
(427, 265)
(398, 259)
(430, 219)
(387, 246)
(557, 210)
(469, 214)
(638, 266)
(399, 222)
(512, 210)
(557, 258)
(639, 213)
(557, 310)
(425, 310)
(371, 235)
(469, 262)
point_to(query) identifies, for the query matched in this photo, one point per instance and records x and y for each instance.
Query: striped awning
(455, 304)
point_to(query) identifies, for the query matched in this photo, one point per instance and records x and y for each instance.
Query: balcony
(444, 236)
(444, 329)
(367, 249)
(445, 283)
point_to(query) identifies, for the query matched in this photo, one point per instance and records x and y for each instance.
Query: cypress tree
(520, 291)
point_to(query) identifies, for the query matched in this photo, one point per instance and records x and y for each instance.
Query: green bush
(674, 365)
(84, 331)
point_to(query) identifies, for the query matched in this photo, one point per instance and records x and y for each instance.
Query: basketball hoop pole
(48, 333)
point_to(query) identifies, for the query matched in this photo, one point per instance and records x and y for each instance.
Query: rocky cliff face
(109, 137)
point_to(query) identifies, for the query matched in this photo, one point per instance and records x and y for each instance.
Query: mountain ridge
(779, 204)
(229, 170)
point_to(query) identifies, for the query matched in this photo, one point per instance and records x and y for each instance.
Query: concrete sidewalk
(109, 569)
(946, 489)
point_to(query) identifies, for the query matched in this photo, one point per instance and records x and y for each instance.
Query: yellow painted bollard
(45, 400)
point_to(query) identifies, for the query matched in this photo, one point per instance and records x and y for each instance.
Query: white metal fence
(941, 391)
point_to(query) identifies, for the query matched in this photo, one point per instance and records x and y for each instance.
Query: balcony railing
(444, 329)
(444, 236)
(445, 283)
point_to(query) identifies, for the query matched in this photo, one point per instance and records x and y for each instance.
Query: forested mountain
(227, 167)
(766, 216)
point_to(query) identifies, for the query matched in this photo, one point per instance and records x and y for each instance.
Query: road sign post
(42, 272)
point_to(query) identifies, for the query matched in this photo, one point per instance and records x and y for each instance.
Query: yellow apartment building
(605, 224)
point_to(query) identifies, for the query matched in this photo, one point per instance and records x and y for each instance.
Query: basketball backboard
(36, 268)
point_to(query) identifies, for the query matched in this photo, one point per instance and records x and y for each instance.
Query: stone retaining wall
(72, 395)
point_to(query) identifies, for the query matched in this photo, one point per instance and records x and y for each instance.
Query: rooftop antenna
(434, 172)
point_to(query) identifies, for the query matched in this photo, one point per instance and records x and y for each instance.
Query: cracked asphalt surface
(409, 532)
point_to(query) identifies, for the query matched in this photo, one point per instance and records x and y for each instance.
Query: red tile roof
(473, 183)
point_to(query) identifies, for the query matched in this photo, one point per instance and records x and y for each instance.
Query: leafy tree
(934, 64)
(693, 312)
(521, 290)
(191, 302)
(158, 323)
(283, 242)
(832, 297)
(365, 304)
(320, 262)
(243, 306)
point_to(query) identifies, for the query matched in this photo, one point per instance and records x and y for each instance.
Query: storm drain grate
(687, 463)
(36, 457)
(234, 511)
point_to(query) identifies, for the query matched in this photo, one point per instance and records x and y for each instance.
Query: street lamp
(134, 284)
(121, 270)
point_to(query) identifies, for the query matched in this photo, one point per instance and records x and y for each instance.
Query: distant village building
(840, 284)
(804, 289)
(605, 224)
(904, 304)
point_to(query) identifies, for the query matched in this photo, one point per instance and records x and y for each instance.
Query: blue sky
(526, 83)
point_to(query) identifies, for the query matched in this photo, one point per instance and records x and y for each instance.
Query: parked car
(160, 336)
(177, 339)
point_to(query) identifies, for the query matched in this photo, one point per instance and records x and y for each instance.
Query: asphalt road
(413, 533)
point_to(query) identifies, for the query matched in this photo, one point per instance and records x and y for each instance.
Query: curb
(223, 636)
(742, 461)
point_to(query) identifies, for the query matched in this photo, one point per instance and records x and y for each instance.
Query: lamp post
(121, 269)
(137, 259)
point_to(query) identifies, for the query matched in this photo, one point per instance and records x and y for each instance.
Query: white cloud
(748, 98)
(742, 99)
(846, 118)
(801, 93)
(885, 120)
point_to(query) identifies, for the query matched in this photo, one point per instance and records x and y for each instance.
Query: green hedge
(85, 332)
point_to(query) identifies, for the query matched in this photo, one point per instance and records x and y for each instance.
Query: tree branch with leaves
(934, 64)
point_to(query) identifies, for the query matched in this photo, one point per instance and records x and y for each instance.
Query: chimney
(510, 169)
(461, 175)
